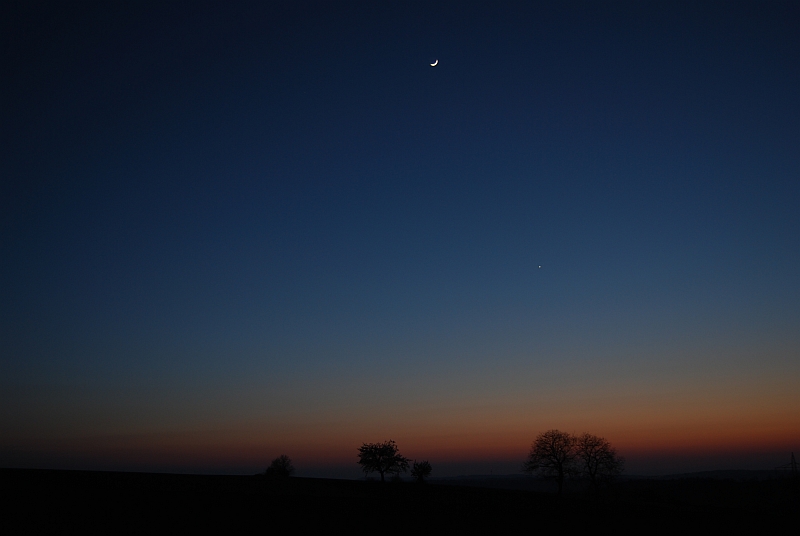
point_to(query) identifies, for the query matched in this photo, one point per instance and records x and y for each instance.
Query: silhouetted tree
(281, 467)
(599, 461)
(381, 457)
(421, 471)
(552, 456)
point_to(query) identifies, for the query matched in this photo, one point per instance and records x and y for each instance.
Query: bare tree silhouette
(599, 461)
(552, 456)
(381, 457)
(422, 470)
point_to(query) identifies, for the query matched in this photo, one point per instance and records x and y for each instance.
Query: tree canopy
(552, 456)
(599, 461)
(281, 467)
(382, 458)
(422, 470)
(557, 455)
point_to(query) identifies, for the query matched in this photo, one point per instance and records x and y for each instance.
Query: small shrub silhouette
(422, 470)
(280, 468)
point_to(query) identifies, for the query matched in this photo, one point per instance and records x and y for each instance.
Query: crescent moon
(435, 63)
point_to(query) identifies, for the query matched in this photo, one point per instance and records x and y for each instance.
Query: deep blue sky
(268, 220)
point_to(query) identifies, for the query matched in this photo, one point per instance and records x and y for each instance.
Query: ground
(53, 501)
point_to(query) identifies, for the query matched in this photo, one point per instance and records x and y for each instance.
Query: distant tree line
(554, 455)
(384, 458)
(557, 455)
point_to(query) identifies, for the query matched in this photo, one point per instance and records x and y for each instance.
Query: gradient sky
(229, 232)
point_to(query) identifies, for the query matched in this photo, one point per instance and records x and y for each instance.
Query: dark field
(53, 501)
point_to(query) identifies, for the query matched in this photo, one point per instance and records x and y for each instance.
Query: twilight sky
(232, 231)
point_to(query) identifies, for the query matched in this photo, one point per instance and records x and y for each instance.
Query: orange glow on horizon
(239, 449)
